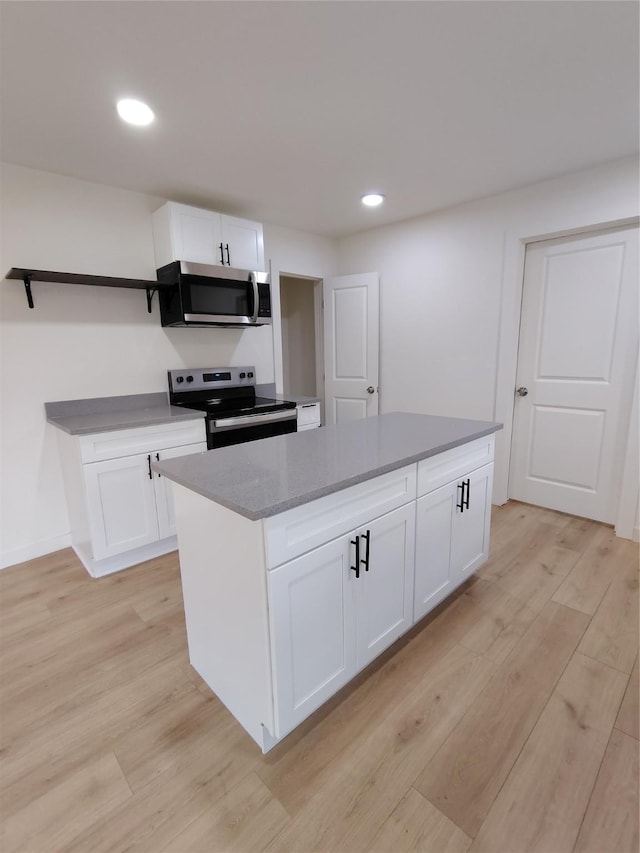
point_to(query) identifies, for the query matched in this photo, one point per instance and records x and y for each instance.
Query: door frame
(515, 245)
(276, 326)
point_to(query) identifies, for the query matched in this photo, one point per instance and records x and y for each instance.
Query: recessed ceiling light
(372, 199)
(135, 112)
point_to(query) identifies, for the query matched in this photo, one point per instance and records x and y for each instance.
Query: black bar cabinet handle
(366, 536)
(356, 568)
(157, 460)
(221, 254)
(228, 256)
(149, 464)
(460, 505)
(468, 484)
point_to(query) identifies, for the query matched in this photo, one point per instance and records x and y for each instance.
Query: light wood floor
(506, 722)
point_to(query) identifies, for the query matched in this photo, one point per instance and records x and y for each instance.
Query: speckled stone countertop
(103, 414)
(263, 478)
(298, 399)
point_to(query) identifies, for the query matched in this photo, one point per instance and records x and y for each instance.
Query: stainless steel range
(228, 396)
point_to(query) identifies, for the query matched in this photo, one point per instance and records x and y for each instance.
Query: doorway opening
(302, 337)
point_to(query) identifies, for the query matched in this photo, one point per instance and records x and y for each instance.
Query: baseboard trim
(33, 550)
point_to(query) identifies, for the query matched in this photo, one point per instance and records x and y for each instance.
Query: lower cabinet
(452, 536)
(121, 512)
(308, 416)
(129, 504)
(301, 601)
(336, 608)
(122, 505)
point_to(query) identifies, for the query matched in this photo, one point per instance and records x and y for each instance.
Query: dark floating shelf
(27, 276)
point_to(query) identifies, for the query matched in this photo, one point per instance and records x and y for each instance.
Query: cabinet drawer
(438, 470)
(308, 413)
(127, 442)
(305, 527)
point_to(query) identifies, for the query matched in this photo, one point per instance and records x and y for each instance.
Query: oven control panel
(205, 378)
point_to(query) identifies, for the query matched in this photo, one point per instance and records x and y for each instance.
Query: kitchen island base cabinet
(278, 620)
(327, 623)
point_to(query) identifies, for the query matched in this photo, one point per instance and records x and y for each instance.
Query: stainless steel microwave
(202, 295)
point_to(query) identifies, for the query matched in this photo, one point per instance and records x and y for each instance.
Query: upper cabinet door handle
(228, 256)
(221, 254)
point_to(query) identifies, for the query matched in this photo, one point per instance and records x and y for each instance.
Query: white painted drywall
(450, 286)
(90, 341)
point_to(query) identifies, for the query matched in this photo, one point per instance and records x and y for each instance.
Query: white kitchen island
(304, 556)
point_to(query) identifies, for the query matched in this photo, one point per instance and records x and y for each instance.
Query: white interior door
(576, 364)
(351, 319)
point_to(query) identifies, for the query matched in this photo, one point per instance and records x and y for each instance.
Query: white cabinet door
(434, 513)
(327, 623)
(242, 242)
(184, 233)
(121, 505)
(384, 590)
(470, 526)
(312, 628)
(196, 234)
(163, 490)
(452, 536)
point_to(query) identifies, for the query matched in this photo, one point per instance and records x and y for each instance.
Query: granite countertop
(263, 478)
(298, 399)
(103, 414)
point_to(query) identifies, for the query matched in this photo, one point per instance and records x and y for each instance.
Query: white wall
(450, 286)
(90, 341)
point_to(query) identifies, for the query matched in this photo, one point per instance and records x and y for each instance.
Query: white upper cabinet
(242, 242)
(184, 233)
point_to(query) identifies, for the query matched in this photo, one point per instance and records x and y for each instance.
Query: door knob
(522, 391)
(370, 389)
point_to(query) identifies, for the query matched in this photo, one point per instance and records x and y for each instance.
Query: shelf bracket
(150, 292)
(27, 288)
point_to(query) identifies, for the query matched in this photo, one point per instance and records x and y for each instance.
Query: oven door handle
(253, 420)
(256, 296)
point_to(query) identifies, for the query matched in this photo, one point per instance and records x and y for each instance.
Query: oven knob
(189, 378)
(242, 375)
(250, 375)
(179, 379)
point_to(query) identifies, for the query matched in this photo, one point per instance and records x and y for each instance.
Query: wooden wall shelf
(29, 275)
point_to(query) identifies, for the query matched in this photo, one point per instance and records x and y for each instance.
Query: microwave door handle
(256, 297)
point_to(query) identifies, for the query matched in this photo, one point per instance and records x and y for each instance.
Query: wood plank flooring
(507, 721)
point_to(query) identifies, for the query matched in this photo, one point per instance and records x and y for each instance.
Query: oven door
(223, 432)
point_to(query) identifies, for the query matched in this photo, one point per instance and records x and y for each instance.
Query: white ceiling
(288, 111)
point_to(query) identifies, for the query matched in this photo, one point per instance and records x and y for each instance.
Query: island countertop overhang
(262, 478)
